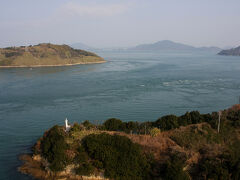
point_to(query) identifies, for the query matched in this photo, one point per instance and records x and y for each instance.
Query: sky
(120, 23)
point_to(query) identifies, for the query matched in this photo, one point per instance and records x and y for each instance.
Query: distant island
(160, 46)
(190, 146)
(81, 46)
(167, 45)
(46, 54)
(231, 52)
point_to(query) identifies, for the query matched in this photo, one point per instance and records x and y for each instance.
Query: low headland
(231, 52)
(191, 146)
(45, 54)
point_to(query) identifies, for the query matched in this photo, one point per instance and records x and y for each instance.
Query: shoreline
(33, 66)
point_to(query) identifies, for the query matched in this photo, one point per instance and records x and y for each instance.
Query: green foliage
(164, 123)
(224, 166)
(234, 117)
(167, 122)
(76, 127)
(12, 53)
(98, 164)
(154, 132)
(196, 137)
(85, 169)
(145, 127)
(82, 157)
(113, 124)
(130, 127)
(234, 159)
(53, 148)
(193, 117)
(173, 169)
(121, 159)
(88, 125)
(236, 170)
(213, 168)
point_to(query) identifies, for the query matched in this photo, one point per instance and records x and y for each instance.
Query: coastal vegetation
(172, 147)
(45, 54)
(118, 156)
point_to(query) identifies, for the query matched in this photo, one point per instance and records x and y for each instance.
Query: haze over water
(130, 86)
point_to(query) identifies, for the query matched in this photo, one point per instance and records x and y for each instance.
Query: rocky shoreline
(36, 166)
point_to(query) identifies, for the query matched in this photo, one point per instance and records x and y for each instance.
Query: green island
(45, 54)
(190, 146)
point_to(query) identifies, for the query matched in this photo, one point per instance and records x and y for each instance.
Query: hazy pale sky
(120, 23)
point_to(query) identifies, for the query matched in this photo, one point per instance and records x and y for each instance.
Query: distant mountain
(172, 46)
(228, 47)
(210, 49)
(81, 46)
(231, 52)
(163, 45)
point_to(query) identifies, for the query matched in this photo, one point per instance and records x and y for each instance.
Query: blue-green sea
(131, 86)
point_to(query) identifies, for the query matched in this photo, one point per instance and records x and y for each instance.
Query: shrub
(85, 169)
(154, 132)
(196, 117)
(121, 159)
(13, 53)
(98, 164)
(236, 170)
(88, 125)
(196, 137)
(82, 157)
(234, 117)
(173, 169)
(145, 127)
(167, 122)
(193, 117)
(113, 124)
(53, 148)
(213, 169)
(129, 127)
(76, 127)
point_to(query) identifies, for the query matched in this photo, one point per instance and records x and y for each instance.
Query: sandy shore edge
(31, 66)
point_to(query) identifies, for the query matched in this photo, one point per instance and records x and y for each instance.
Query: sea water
(131, 86)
